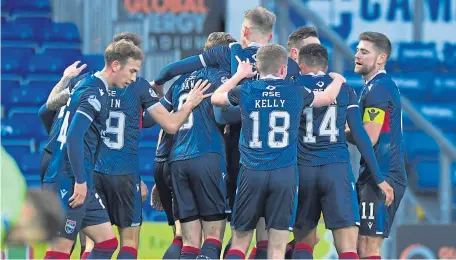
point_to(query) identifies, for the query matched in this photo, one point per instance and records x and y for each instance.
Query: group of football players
(252, 134)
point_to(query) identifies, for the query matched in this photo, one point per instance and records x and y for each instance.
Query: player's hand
(196, 95)
(337, 76)
(144, 191)
(245, 69)
(73, 70)
(388, 191)
(79, 195)
(155, 199)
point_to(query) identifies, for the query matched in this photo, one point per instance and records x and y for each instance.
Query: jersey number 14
(327, 127)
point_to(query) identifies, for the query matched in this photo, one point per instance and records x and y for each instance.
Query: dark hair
(380, 41)
(129, 36)
(313, 55)
(295, 39)
(218, 39)
(122, 51)
(49, 212)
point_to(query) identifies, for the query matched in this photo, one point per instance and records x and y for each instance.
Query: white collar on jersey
(378, 72)
(255, 44)
(319, 73)
(98, 75)
(270, 76)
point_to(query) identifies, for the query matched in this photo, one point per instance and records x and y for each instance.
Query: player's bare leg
(105, 241)
(277, 243)
(305, 243)
(89, 245)
(261, 251)
(345, 241)
(129, 242)
(239, 244)
(191, 239)
(213, 238)
(369, 246)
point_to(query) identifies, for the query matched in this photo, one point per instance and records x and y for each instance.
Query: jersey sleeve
(148, 96)
(308, 96)
(376, 104)
(234, 96)
(352, 97)
(90, 103)
(236, 49)
(218, 56)
(167, 100)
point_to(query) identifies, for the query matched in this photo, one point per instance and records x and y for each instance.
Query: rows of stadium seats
(35, 52)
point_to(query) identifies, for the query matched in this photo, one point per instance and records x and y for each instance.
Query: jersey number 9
(115, 129)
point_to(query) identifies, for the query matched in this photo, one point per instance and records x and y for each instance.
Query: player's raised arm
(59, 95)
(220, 97)
(47, 117)
(329, 95)
(171, 122)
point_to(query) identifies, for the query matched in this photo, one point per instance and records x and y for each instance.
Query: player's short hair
(295, 39)
(380, 41)
(270, 58)
(122, 51)
(218, 39)
(48, 211)
(129, 36)
(313, 55)
(262, 19)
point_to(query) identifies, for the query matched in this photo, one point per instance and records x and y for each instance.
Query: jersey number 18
(273, 130)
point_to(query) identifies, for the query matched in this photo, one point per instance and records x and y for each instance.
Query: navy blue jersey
(271, 110)
(380, 103)
(119, 154)
(89, 98)
(322, 129)
(58, 116)
(200, 134)
(221, 57)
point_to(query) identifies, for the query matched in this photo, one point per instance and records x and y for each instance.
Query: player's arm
(171, 122)
(236, 50)
(47, 117)
(328, 96)
(148, 121)
(59, 94)
(177, 68)
(220, 97)
(227, 115)
(149, 97)
(375, 107)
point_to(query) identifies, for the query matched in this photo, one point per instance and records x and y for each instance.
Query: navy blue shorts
(162, 176)
(122, 196)
(92, 212)
(329, 189)
(271, 194)
(199, 186)
(376, 218)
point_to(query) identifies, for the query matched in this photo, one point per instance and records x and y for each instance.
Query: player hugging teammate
(273, 159)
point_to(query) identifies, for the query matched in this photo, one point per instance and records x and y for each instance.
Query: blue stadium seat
(17, 34)
(414, 85)
(429, 174)
(44, 86)
(449, 56)
(7, 88)
(29, 97)
(61, 34)
(17, 148)
(68, 55)
(150, 134)
(30, 8)
(444, 87)
(418, 56)
(42, 65)
(23, 123)
(13, 59)
(442, 115)
(419, 144)
(5, 7)
(146, 152)
(94, 62)
(30, 163)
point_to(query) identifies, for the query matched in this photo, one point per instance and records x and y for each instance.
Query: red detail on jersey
(141, 119)
(386, 128)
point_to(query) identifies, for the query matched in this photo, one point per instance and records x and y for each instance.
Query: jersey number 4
(62, 138)
(327, 127)
(274, 129)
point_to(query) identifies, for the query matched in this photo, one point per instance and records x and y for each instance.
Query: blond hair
(270, 58)
(121, 51)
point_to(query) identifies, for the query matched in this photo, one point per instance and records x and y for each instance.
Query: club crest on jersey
(152, 93)
(70, 225)
(94, 102)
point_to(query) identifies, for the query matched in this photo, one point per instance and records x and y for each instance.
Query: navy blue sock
(189, 252)
(104, 250)
(211, 249)
(127, 252)
(235, 254)
(174, 250)
(262, 250)
(302, 251)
